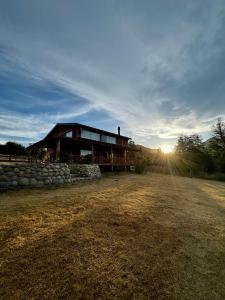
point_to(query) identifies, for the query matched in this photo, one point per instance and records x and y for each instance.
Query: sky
(154, 68)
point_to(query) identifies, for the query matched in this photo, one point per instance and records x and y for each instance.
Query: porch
(100, 160)
(84, 151)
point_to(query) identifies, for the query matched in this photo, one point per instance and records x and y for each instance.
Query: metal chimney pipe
(118, 130)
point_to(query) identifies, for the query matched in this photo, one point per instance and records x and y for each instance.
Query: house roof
(86, 127)
(50, 142)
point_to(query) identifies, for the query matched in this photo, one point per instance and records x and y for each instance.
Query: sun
(167, 148)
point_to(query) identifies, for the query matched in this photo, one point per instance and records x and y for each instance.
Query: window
(85, 152)
(69, 134)
(85, 134)
(108, 139)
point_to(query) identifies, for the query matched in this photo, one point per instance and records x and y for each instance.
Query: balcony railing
(100, 160)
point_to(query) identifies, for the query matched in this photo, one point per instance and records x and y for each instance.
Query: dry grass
(124, 237)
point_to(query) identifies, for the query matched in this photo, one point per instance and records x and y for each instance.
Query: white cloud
(14, 126)
(122, 59)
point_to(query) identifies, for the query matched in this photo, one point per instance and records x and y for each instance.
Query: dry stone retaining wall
(33, 175)
(85, 170)
(38, 175)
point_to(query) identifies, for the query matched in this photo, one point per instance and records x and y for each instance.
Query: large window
(69, 134)
(85, 134)
(85, 152)
(108, 139)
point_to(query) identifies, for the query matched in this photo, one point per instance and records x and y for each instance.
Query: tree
(188, 144)
(133, 151)
(216, 145)
(2, 149)
(217, 142)
(192, 155)
(13, 148)
(218, 131)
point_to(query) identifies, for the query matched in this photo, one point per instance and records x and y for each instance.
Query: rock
(44, 176)
(24, 181)
(3, 184)
(4, 178)
(46, 181)
(92, 171)
(33, 181)
(10, 174)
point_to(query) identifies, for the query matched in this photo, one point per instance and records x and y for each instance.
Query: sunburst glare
(167, 148)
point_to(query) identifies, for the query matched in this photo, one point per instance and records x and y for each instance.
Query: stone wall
(38, 175)
(33, 175)
(85, 170)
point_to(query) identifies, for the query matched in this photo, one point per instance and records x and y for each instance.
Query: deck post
(125, 159)
(57, 151)
(112, 158)
(92, 153)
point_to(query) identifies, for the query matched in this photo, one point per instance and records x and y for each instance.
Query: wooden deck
(102, 161)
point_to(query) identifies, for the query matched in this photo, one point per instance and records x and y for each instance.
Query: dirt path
(123, 237)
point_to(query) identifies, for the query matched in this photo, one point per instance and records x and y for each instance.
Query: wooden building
(77, 143)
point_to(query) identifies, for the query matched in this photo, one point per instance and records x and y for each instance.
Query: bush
(216, 176)
(140, 167)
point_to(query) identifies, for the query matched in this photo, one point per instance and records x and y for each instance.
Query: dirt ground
(122, 237)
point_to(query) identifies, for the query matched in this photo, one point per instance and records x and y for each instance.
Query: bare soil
(123, 237)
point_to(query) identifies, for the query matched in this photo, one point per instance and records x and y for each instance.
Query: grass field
(122, 237)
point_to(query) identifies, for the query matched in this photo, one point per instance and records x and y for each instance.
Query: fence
(100, 160)
(6, 158)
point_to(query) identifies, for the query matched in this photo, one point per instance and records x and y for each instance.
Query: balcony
(100, 160)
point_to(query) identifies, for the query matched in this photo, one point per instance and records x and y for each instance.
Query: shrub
(140, 167)
(216, 176)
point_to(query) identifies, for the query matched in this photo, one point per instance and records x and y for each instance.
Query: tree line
(192, 156)
(12, 148)
(16, 149)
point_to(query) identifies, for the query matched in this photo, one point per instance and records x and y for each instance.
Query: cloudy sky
(156, 68)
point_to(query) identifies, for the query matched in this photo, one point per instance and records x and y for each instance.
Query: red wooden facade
(74, 142)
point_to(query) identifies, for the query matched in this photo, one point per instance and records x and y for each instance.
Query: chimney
(118, 130)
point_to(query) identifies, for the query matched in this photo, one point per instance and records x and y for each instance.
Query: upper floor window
(108, 139)
(86, 134)
(69, 134)
(85, 152)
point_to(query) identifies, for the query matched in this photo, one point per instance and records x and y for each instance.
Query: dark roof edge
(86, 126)
(50, 131)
